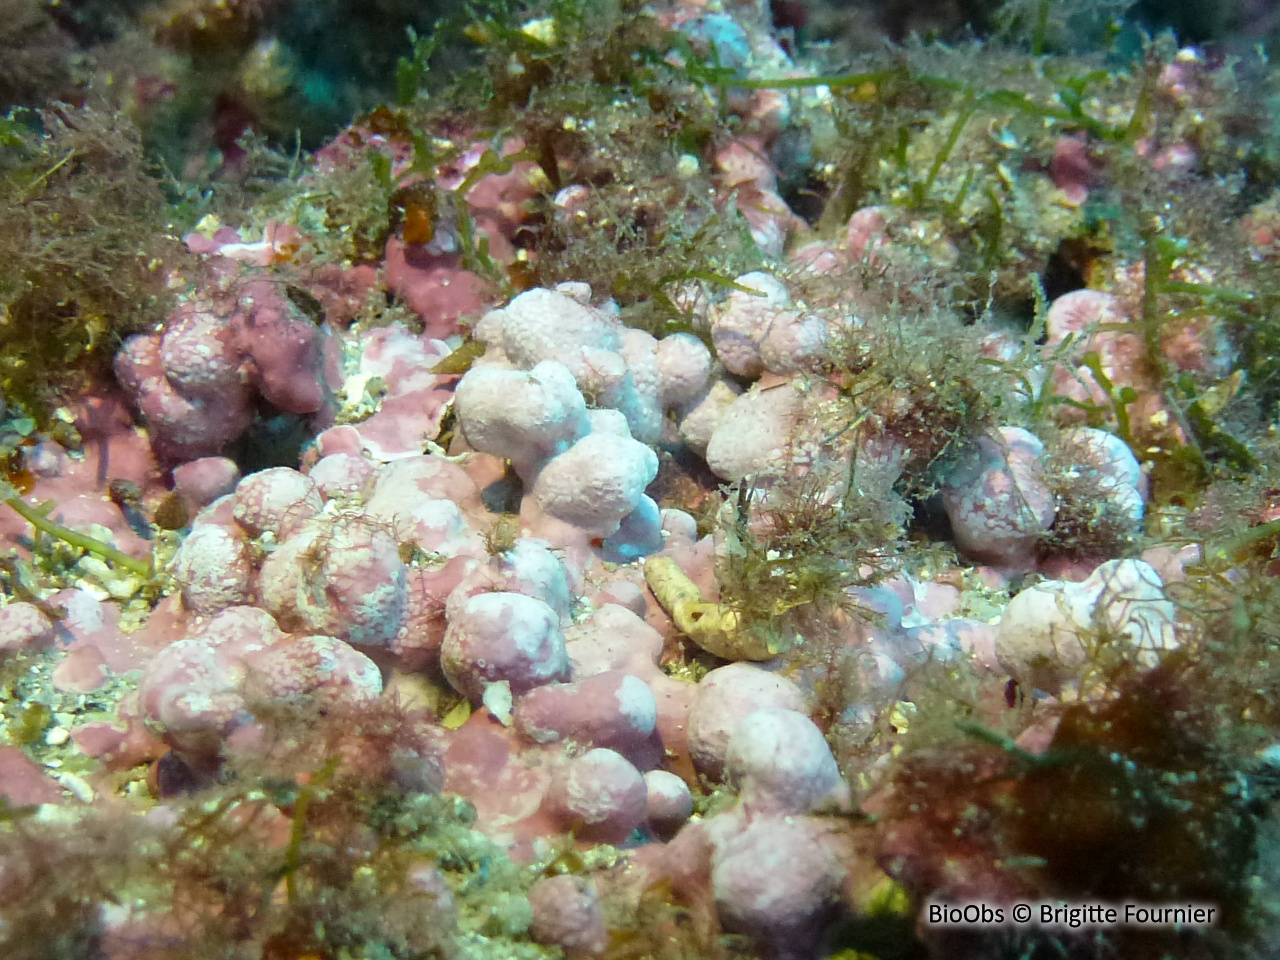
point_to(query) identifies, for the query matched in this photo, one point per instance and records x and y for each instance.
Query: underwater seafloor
(661, 482)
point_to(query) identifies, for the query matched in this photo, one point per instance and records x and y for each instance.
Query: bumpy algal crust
(530, 567)
(214, 569)
(544, 324)
(196, 381)
(276, 501)
(704, 413)
(503, 637)
(751, 436)
(740, 324)
(1046, 633)
(683, 365)
(615, 367)
(596, 482)
(600, 794)
(357, 590)
(781, 762)
(998, 501)
(199, 690)
(727, 696)
(527, 417)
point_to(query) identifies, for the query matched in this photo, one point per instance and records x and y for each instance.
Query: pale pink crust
(614, 638)
(998, 501)
(699, 420)
(684, 369)
(529, 567)
(195, 382)
(567, 914)
(1114, 472)
(782, 764)
(220, 512)
(774, 879)
(865, 234)
(82, 670)
(599, 795)
(137, 363)
(285, 349)
(343, 439)
(202, 481)
(433, 526)
(191, 698)
(1072, 169)
(400, 359)
(280, 578)
(819, 257)
(278, 500)
(793, 343)
(181, 427)
(613, 710)
(638, 535)
(422, 500)
(1198, 344)
(668, 804)
(616, 367)
(740, 324)
(751, 435)
(596, 482)
(1044, 634)
(754, 193)
(321, 668)
(541, 325)
(201, 690)
(240, 629)
(643, 406)
(415, 479)
(434, 286)
(191, 690)
(503, 636)
(198, 355)
(417, 644)
(726, 696)
(1123, 356)
(1078, 314)
(527, 417)
(23, 626)
(214, 568)
(623, 593)
(357, 590)
(343, 476)
(340, 576)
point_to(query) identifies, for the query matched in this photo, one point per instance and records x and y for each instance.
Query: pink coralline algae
(507, 637)
(341, 576)
(726, 697)
(758, 329)
(567, 914)
(195, 383)
(648, 521)
(24, 626)
(214, 567)
(1052, 631)
(527, 417)
(596, 483)
(600, 795)
(614, 710)
(619, 368)
(775, 878)
(781, 763)
(276, 501)
(202, 690)
(998, 502)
